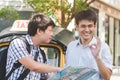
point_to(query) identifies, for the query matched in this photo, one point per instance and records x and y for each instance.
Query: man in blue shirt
(89, 51)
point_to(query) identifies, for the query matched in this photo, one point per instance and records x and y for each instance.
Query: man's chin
(87, 38)
(48, 41)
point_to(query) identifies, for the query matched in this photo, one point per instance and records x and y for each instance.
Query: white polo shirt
(79, 55)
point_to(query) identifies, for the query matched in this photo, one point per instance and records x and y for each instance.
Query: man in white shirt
(89, 51)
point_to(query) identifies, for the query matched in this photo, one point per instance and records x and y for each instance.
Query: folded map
(74, 73)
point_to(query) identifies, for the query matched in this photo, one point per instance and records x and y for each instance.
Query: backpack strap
(43, 55)
(26, 71)
(18, 64)
(44, 60)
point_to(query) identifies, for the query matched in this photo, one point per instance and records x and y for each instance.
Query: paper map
(74, 73)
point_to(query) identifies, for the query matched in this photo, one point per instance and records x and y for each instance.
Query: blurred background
(63, 12)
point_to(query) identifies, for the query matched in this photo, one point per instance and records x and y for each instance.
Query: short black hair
(40, 21)
(85, 15)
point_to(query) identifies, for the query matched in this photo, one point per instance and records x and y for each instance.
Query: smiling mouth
(87, 35)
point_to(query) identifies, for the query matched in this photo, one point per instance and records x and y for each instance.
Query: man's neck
(35, 41)
(84, 42)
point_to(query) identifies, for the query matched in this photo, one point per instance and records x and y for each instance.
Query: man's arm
(17, 45)
(33, 65)
(104, 71)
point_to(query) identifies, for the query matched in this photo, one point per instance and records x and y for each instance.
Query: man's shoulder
(16, 40)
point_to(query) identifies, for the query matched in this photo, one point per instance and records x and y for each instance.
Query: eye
(82, 26)
(90, 26)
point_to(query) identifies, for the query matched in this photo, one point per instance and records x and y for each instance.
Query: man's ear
(39, 31)
(76, 27)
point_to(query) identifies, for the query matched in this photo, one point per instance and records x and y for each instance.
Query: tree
(9, 13)
(61, 10)
(7, 17)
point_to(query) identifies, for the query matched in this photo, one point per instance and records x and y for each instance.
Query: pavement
(115, 77)
(116, 73)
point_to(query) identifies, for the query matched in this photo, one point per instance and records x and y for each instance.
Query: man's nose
(51, 33)
(86, 28)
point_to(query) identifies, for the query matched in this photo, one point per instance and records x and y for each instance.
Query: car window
(52, 55)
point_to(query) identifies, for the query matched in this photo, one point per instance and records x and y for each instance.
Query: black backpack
(3, 59)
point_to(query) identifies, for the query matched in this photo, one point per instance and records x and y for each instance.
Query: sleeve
(17, 49)
(106, 56)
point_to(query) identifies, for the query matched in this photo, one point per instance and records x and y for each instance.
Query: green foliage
(80, 5)
(43, 6)
(9, 13)
(50, 7)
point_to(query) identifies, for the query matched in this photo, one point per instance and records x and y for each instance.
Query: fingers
(98, 43)
(98, 40)
(93, 46)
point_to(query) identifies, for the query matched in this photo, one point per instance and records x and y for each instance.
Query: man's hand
(104, 71)
(95, 48)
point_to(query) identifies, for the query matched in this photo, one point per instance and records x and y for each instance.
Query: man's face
(47, 35)
(86, 29)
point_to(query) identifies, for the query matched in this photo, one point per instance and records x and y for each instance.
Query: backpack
(3, 60)
(3, 56)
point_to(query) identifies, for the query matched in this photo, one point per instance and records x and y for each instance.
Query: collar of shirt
(93, 41)
(28, 38)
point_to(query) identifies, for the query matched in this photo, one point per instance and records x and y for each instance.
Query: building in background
(24, 11)
(108, 29)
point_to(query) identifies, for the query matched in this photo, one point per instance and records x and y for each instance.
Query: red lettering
(18, 24)
(22, 25)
